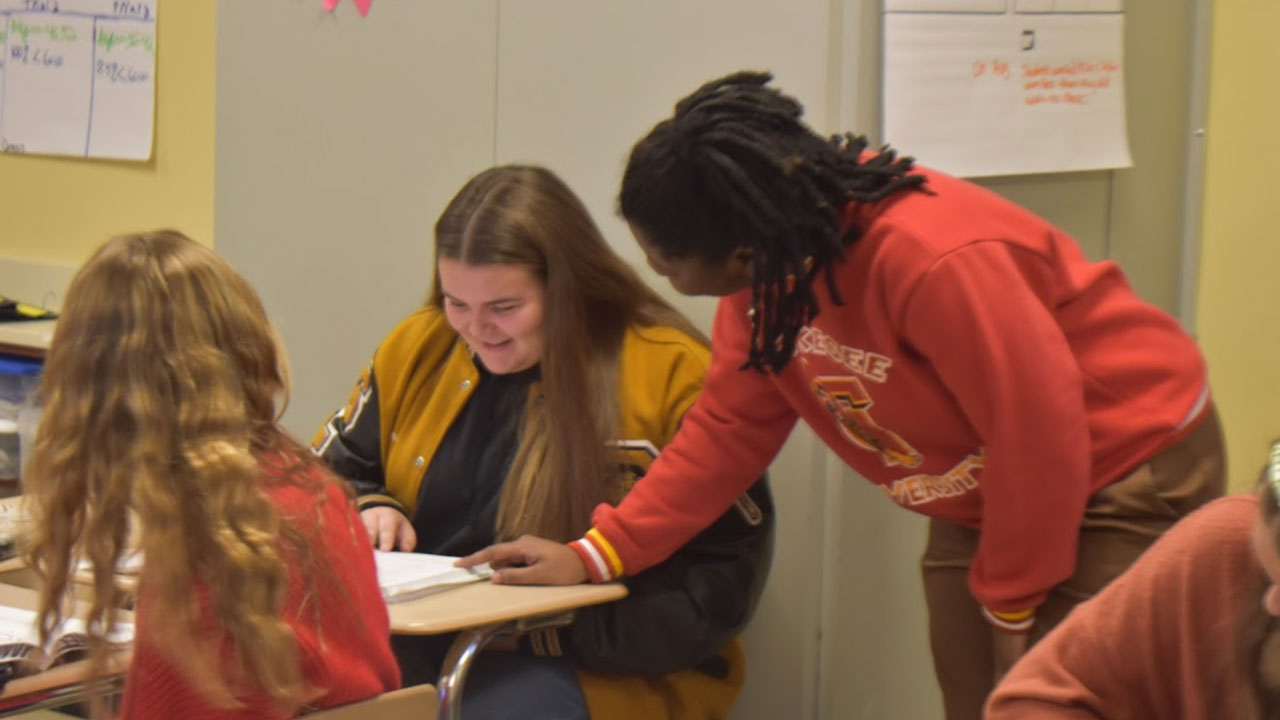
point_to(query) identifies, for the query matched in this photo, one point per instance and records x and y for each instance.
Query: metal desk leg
(468, 644)
(456, 664)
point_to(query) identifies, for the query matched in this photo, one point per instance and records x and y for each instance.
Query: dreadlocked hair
(735, 166)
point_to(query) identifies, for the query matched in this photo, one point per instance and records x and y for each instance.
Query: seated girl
(541, 378)
(1189, 632)
(258, 597)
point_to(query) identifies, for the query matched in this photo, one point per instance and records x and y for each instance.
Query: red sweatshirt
(1159, 643)
(339, 619)
(980, 371)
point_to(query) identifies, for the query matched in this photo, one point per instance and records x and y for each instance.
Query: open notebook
(404, 576)
(22, 654)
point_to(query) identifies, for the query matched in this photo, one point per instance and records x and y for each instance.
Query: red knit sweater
(1159, 643)
(339, 619)
(981, 370)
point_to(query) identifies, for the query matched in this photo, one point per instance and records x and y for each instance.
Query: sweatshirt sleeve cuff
(377, 499)
(599, 557)
(1017, 622)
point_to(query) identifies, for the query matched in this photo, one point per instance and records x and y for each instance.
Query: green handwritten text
(56, 33)
(108, 41)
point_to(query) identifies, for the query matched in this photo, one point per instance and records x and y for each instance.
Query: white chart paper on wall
(77, 77)
(1003, 87)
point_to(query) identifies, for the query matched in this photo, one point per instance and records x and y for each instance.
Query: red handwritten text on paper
(1068, 83)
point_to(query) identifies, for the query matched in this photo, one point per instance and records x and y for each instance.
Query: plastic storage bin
(18, 379)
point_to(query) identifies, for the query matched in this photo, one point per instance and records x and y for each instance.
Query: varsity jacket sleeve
(982, 316)
(349, 443)
(680, 613)
(727, 439)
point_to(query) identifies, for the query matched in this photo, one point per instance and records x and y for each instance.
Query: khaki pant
(1120, 521)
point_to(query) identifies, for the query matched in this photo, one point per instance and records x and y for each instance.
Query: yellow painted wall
(59, 209)
(1238, 315)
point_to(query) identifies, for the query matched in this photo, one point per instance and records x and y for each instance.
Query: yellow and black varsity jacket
(670, 649)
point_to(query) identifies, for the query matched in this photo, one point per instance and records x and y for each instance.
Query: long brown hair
(160, 390)
(526, 216)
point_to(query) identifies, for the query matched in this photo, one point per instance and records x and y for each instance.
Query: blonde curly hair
(160, 393)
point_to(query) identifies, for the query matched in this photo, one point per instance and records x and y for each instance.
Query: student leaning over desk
(258, 598)
(540, 379)
(951, 347)
(1190, 632)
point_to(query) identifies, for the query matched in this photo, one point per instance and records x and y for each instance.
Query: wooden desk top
(485, 603)
(12, 519)
(26, 337)
(61, 676)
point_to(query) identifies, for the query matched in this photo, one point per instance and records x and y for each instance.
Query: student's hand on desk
(389, 529)
(531, 561)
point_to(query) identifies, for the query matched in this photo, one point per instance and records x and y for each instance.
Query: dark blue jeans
(500, 685)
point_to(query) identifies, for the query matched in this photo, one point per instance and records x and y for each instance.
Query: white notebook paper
(22, 654)
(403, 576)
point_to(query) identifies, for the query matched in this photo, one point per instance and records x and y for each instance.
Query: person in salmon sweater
(951, 347)
(1188, 633)
(257, 598)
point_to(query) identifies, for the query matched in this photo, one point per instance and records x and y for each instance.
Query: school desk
(28, 338)
(14, 571)
(57, 686)
(482, 611)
